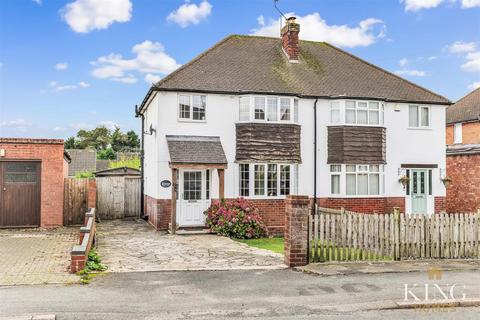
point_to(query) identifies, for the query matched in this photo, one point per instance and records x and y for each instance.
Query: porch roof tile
(195, 149)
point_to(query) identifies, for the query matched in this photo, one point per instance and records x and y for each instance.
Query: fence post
(296, 230)
(342, 210)
(396, 240)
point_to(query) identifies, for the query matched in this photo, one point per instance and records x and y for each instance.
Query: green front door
(419, 185)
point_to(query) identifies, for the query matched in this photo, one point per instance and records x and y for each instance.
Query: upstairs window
(457, 133)
(418, 116)
(362, 112)
(268, 109)
(192, 107)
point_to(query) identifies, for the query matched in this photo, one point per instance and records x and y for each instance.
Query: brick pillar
(296, 230)
(92, 193)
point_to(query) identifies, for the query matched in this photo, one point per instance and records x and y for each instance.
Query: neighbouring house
(262, 118)
(32, 173)
(463, 154)
(85, 160)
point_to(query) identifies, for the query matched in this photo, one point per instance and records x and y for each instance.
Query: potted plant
(404, 180)
(446, 181)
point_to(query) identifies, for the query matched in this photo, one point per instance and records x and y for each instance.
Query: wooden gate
(118, 197)
(19, 194)
(75, 201)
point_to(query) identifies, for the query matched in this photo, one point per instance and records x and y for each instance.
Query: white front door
(194, 197)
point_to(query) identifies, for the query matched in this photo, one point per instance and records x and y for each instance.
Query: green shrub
(84, 174)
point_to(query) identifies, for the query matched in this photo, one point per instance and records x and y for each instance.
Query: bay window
(268, 109)
(356, 112)
(360, 180)
(269, 180)
(192, 107)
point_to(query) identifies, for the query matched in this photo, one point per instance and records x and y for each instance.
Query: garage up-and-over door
(19, 194)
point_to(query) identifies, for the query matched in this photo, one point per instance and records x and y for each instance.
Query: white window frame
(457, 133)
(419, 116)
(190, 119)
(341, 107)
(251, 184)
(294, 103)
(359, 169)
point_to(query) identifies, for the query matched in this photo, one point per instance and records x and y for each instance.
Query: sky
(70, 65)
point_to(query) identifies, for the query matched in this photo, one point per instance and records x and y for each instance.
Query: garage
(19, 194)
(32, 173)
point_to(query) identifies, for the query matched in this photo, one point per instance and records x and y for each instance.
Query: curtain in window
(244, 114)
(335, 184)
(374, 113)
(362, 113)
(351, 181)
(424, 115)
(374, 184)
(413, 116)
(362, 184)
(272, 109)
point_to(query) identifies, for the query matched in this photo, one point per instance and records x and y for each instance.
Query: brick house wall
(463, 193)
(470, 133)
(50, 153)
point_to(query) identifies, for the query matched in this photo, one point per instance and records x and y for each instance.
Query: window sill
(194, 121)
(269, 122)
(264, 197)
(355, 197)
(420, 128)
(355, 125)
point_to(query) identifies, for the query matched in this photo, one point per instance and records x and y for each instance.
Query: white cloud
(39, 2)
(190, 13)
(416, 5)
(414, 73)
(61, 66)
(59, 129)
(109, 124)
(18, 124)
(62, 87)
(473, 62)
(313, 27)
(432, 58)
(152, 78)
(474, 86)
(461, 47)
(86, 15)
(150, 57)
(403, 62)
(467, 4)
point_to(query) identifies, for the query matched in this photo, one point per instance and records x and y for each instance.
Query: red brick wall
(440, 204)
(159, 212)
(272, 212)
(463, 193)
(92, 193)
(296, 230)
(50, 153)
(364, 205)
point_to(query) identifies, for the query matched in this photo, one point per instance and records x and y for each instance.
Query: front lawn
(273, 244)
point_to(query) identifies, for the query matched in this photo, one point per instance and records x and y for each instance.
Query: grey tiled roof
(82, 160)
(463, 149)
(243, 64)
(195, 149)
(465, 109)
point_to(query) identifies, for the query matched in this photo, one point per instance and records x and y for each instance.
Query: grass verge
(274, 244)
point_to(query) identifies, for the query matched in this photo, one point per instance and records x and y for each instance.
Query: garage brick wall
(50, 153)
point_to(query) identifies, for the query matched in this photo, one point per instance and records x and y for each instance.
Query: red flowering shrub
(235, 218)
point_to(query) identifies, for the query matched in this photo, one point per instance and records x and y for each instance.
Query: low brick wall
(79, 253)
(297, 209)
(364, 205)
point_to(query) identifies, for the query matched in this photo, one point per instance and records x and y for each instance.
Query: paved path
(240, 294)
(127, 246)
(36, 256)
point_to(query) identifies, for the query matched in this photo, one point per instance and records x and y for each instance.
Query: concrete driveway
(36, 256)
(135, 246)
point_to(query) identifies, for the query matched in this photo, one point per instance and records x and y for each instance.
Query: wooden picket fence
(341, 235)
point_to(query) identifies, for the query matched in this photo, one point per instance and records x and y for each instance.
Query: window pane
(259, 108)
(373, 105)
(192, 185)
(272, 180)
(335, 184)
(335, 112)
(362, 168)
(373, 117)
(350, 116)
(351, 182)
(272, 109)
(351, 168)
(413, 116)
(285, 109)
(350, 104)
(199, 103)
(259, 180)
(244, 180)
(244, 114)
(374, 168)
(295, 110)
(284, 180)
(362, 117)
(425, 120)
(335, 168)
(374, 184)
(362, 184)
(207, 178)
(184, 107)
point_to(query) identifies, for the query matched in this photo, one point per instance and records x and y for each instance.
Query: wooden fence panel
(132, 197)
(75, 201)
(118, 197)
(344, 235)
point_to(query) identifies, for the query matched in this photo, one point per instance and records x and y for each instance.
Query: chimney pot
(290, 41)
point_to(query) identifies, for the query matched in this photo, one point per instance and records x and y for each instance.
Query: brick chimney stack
(290, 39)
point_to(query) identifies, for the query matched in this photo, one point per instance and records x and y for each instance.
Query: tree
(106, 154)
(133, 141)
(98, 138)
(70, 143)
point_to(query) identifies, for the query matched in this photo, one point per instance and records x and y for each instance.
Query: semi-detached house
(262, 118)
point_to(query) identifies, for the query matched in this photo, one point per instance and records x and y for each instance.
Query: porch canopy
(195, 152)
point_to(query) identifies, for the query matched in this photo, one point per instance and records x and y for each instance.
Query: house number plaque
(165, 183)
